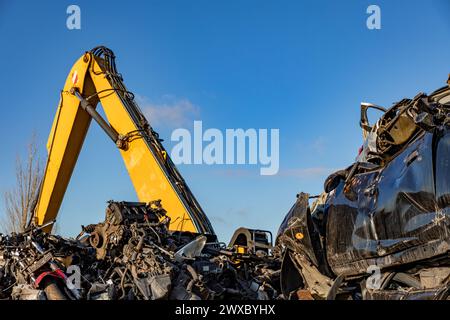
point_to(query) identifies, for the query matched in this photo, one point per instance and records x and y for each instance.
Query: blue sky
(301, 67)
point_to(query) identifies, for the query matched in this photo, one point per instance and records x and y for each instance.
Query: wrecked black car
(381, 229)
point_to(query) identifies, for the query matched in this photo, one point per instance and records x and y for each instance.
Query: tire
(51, 289)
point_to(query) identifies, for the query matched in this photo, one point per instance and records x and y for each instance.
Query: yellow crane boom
(94, 78)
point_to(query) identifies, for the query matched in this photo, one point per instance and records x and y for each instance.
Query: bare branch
(19, 199)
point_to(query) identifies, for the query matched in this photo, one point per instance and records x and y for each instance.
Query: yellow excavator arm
(94, 79)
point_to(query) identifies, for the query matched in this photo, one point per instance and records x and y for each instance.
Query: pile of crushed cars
(132, 255)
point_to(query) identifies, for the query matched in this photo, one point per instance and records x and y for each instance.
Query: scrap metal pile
(380, 230)
(132, 255)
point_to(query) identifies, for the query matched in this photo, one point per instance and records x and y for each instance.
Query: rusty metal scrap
(131, 255)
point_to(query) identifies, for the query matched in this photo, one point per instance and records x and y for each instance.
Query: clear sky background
(300, 66)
